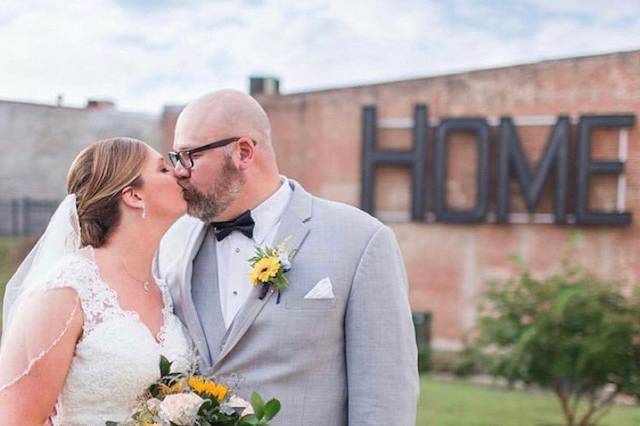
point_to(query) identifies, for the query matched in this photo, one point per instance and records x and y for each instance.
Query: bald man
(337, 345)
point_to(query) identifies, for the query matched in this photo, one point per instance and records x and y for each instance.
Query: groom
(337, 345)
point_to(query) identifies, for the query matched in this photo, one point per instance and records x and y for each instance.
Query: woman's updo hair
(97, 176)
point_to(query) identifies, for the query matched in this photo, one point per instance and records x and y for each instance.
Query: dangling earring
(144, 211)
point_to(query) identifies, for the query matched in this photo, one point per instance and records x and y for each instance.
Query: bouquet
(180, 399)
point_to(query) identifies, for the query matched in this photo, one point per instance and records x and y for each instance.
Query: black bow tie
(243, 223)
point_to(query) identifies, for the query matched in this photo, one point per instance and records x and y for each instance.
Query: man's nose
(181, 172)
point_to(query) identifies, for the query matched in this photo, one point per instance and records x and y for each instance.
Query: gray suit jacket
(350, 360)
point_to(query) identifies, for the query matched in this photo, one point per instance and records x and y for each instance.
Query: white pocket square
(322, 290)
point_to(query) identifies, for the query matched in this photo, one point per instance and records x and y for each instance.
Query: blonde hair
(97, 177)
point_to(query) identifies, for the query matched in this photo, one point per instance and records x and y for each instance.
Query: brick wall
(318, 141)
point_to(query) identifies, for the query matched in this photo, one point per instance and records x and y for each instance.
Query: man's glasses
(185, 159)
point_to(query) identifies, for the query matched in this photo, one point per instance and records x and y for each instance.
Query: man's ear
(246, 150)
(132, 198)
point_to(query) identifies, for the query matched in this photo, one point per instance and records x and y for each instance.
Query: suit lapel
(189, 310)
(294, 230)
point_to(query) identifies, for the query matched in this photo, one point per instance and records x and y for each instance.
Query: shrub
(570, 332)
(462, 363)
(424, 359)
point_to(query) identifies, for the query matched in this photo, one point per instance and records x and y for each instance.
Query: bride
(85, 322)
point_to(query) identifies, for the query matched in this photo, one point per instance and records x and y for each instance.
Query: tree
(571, 332)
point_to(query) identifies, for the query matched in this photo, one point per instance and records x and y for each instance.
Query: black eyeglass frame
(176, 157)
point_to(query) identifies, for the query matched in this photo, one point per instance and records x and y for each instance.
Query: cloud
(144, 54)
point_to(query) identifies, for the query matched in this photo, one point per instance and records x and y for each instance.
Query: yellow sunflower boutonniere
(268, 267)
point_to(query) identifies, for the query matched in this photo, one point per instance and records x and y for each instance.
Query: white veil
(23, 344)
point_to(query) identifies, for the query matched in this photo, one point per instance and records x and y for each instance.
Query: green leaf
(165, 366)
(258, 405)
(250, 420)
(206, 406)
(271, 408)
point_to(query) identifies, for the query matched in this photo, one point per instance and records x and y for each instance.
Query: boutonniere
(268, 268)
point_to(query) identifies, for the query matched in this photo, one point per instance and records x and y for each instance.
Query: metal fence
(25, 217)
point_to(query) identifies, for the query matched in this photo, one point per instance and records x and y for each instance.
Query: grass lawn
(463, 404)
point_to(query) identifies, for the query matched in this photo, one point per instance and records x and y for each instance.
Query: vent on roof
(264, 86)
(100, 104)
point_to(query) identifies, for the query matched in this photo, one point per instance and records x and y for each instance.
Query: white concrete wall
(39, 142)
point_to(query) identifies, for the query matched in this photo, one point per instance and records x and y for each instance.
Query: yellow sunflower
(177, 388)
(202, 385)
(265, 269)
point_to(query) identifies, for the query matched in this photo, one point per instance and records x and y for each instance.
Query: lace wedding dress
(117, 357)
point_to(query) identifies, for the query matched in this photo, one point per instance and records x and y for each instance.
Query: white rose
(181, 409)
(237, 402)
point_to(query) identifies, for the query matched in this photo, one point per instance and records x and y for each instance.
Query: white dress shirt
(234, 252)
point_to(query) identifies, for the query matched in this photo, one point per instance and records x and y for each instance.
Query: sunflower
(265, 269)
(204, 386)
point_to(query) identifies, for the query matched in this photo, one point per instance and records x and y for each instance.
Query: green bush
(571, 332)
(462, 363)
(424, 359)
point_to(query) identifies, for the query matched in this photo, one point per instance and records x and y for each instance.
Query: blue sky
(144, 54)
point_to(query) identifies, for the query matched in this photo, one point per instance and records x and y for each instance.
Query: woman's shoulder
(76, 270)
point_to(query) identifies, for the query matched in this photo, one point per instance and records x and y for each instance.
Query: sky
(145, 54)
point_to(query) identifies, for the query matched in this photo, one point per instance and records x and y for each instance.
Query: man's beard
(207, 206)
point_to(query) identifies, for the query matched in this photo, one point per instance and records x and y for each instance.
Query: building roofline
(73, 108)
(458, 73)
(38, 104)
